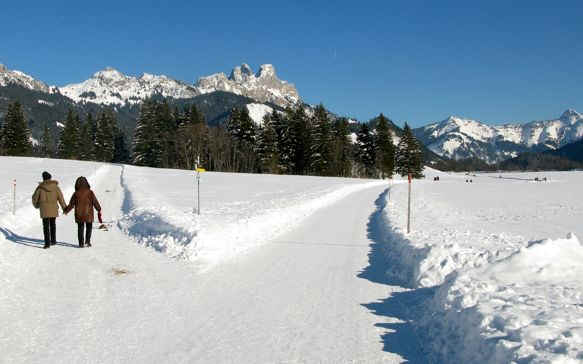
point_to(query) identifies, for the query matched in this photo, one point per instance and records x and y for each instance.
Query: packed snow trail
(298, 299)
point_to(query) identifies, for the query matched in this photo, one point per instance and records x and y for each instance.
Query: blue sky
(415, 61)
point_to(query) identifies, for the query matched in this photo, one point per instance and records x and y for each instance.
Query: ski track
(311, 295)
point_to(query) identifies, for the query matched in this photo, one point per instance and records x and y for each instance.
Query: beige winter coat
(45, 198)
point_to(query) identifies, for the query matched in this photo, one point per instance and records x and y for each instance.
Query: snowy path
(298, 299)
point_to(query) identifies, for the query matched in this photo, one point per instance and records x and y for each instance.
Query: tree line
(299, 140)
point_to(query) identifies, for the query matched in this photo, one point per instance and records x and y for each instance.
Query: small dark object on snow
(119, 271)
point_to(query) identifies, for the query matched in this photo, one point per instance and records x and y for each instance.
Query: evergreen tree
(69, 141)
(104, 137)
(409, 156)
(267, 146)
(385, 152)
(366, 150)
(192, 138)
(15, 138)
(283, 141)
(341, 164)
(321, 143)
(243, 131)
(86, 144)
(92, 126)
(299, 139)
(46, 143)
(121, 153)
(147, 150)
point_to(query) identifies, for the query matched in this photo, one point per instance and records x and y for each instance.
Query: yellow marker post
(198, 171)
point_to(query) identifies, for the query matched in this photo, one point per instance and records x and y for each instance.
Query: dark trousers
(50, 231)
(87, 226)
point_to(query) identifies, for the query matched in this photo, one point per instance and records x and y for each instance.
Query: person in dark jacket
(47, 197)
(83, 200)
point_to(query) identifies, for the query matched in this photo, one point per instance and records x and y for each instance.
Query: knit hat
(46, 176)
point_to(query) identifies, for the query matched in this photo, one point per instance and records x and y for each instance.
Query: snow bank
(239, 211)
(502, 292)
(525, 308)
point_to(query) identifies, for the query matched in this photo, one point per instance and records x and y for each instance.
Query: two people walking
(48, 196)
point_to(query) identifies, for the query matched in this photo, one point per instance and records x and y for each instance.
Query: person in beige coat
(45, 198)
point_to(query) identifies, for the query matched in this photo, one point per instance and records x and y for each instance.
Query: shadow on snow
(30, 242)
(401, 307)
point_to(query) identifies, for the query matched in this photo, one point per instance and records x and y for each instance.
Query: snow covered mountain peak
(111, 87)
(19, 78)
(110, 74)
(266, 70)
(571, 116)
(460, 138)
(264, 86)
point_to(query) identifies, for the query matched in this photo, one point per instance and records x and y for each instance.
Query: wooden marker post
(409, 207)
(14, 197)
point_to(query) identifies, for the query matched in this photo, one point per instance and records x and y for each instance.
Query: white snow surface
(275, 269)
(296, 299)
(258, 111)
(503, 257)
(232, 219)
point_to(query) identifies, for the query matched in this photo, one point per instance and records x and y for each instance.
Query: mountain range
(215, 95)
(458, 138)
(111, 87)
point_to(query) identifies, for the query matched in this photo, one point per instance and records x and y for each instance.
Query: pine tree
(409, 156)
(283, 141)
(366, 150)
(299, 139)
(341, 164)
(147, 149)
(46, 143)
(267, 146)
(92, 126)
(85, 145)
(385, 153)
(69, 141)
(121, 153)
(321, 143)
(15, 133)
(243, 131)
(104, 137)
(192, 138)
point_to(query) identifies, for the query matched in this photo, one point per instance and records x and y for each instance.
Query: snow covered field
(239, 211)
(504, 255)
(491, 271)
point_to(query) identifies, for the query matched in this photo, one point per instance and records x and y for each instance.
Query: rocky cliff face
(263, 86)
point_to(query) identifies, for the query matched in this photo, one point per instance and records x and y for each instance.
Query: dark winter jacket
(83, 200)
(46, 196)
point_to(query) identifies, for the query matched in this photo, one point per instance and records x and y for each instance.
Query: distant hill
(567, 157)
